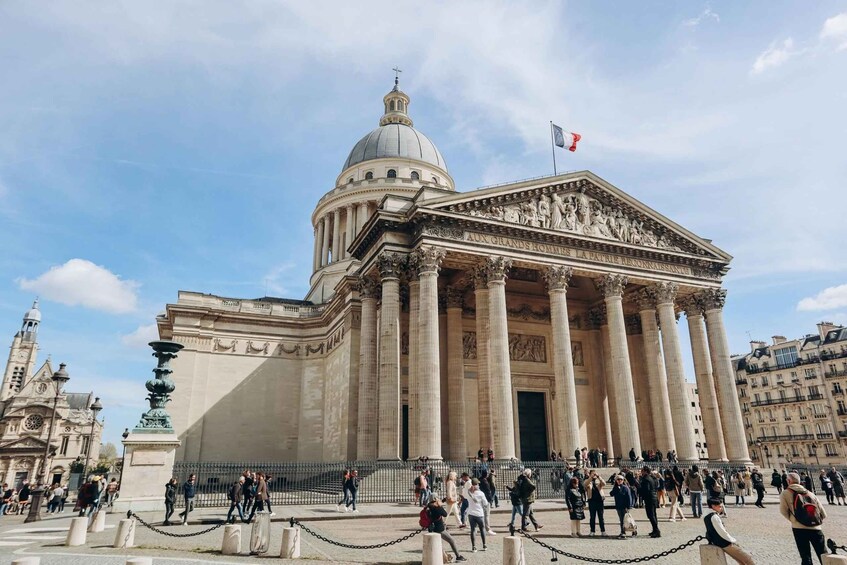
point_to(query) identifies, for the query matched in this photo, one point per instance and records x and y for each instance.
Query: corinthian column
(336, 235)
(705, 380)
(316, 250)
(428, 261)
(657, 384)
(565, 415)
(368, 399)
(361, 216)
(390, 267)
(325, 230)
(500, 372)
(680, 406)
(486, 434)
(730, 408)
(456, 376)
(598, 327)
(621, 372)
(349, 224)
(414, 312)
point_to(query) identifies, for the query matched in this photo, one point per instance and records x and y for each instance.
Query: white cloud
(706, 14)
(278, 280)
(141, 336)
(835, 29)
(82, 283)
(827, 299)
(773, 56)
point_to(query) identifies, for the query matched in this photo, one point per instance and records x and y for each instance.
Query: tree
(109, 452)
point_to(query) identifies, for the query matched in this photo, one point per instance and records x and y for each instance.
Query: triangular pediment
(40, 385)
(578, 205)
(26, 442)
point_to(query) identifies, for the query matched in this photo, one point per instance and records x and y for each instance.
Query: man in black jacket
(648, 491)
(188, 496)
(235, 493)
(759, 486)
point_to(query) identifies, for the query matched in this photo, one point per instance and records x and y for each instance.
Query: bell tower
(22, 354)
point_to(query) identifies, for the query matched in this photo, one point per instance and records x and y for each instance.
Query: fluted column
(316, 250)
(325, 231)
(414, 311)
(705, 380)
(500, 373)
(368, 398)
(390, 267)
(361, 216)
(428, 261)
(596, 321)
(486, 433)
(565, 414)
(612, 287)
(349, 225)
(730, 408)
(336, 235)
(681, 413)
(657, 384)
(456, 376)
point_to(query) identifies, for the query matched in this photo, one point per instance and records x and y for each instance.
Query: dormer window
(392, 174)
(369, 175)
(415, 175)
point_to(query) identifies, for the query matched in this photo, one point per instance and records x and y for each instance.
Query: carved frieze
(225, 346)
(526, 348)
(257, 347)
(469, 345)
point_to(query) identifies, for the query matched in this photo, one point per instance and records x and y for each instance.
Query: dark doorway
(57, 479)
(405, 454)
(532, 426)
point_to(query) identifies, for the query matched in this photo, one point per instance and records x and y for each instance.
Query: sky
(152, 147)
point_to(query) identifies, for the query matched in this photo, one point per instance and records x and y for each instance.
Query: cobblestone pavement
(764, 533)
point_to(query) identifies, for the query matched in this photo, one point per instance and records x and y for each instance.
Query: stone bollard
(125, 535)
(139, 561)
(231, 544)
(712, 555)
(829, 559)
(433, 553)
(27, 561)
(290, 543)
(98, 522)
(76, 532)
(513, 551)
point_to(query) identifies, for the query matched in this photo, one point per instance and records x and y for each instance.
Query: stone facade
(27, 414)
(439, 322)
(793, 399)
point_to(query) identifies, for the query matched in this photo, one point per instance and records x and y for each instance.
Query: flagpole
(553, 149)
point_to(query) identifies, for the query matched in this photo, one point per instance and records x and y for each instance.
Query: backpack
(425, 520)
(418, 481)
(806, 510)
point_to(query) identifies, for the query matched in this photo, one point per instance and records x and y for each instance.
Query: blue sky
(148, 147)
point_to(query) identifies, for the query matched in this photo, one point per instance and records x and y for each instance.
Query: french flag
(565, 139)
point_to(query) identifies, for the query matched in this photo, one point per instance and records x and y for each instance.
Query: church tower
(21, 363)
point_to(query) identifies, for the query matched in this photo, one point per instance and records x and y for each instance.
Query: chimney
(777, 339)
(754, 345)
(824, 328)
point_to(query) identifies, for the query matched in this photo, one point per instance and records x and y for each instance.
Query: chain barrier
(293, 521)
(833, 547)
(644, 559)
(131, 514)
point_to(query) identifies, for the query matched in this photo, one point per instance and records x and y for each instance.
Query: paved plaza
(762, 532)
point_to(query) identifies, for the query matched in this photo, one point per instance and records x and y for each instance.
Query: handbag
(629, 524)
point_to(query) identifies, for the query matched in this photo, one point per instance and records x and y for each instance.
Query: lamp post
(123, 457)
(59, 378)
(815, 452)
(95, 409)
(763, 450)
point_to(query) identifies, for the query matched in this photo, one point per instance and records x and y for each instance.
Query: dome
(395, 140)
(33, 313)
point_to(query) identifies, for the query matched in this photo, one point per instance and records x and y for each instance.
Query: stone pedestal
(148, 466)
(712, 555)
(290, 543)
(76, 532)
(125, 534)
(433, 551)
(98, 522)
(834, 559)
(513, 551)
(231, 543)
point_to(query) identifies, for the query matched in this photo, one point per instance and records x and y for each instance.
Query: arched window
(369, 175)
(350, 180)
(435, 180)
(392, 174)
(391, 105)
(415, 175)
(400, 106)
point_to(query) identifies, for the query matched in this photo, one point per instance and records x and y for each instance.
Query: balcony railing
(826, 435)
(833, 355)
(835, 374)
(842, 411)
(741, 381)
(842, 433)
(788, 437)
(815, 396)
(772, 401)
(819, 416)
(838, 391)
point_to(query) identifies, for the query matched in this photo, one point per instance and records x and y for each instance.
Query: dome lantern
(396, 106)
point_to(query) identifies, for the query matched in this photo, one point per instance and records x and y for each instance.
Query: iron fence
(393, 482)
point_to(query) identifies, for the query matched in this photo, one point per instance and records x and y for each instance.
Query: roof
(78, 400)
(395, 140)
(292, 301)
(839, 334)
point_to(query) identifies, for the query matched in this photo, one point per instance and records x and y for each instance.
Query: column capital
(480, 277)
(665, 292)
(557, 277)
(496, 268)
(390, 264)
(646, 299)
(612, 284)
(692, 305)
(596, 317)
(427, 259)
(368, 287)
(713, 299)
(455, 296)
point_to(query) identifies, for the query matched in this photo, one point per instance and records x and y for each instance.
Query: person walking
(515, 499)
(485, 488)
(23, 498)
(476, 513)
(740, 489)
(594, 494)
(837, 480)
(527, 490)
(170, 501)
(248, 490)
(672, 488)
(826, 487)
(111, 492)
(806, 514)
(463, 487)
(235, 495)
(261, 496)
(437, 515)
(451, 497)
(776, 481)
(717, 535)
(648, 488)
(352, 486)
(188, 496)
(748, 482)
(576, 507)
(623, 502)
(759, 486)
(345, 495)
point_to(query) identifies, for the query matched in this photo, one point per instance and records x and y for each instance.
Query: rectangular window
(811, 374)
(786, 356)
(764, 380)
(63, 450)
(84, 447)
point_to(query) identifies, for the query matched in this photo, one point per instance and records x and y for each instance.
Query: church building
(527, 317)
(31, 415)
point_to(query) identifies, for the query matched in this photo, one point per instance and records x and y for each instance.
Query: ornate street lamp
(95, 408)
(60, 378)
